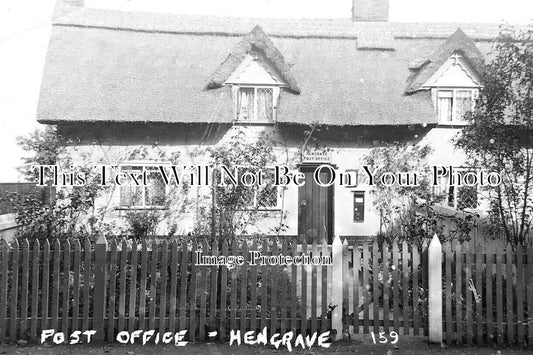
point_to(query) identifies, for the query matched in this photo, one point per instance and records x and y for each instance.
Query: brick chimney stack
(370, 10)
(64, 7)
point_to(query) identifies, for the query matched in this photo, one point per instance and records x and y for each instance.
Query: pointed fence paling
(45, 285)
(125, 285)
(487, 293)
(388, 289)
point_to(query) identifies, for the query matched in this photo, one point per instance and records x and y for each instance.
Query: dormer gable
(255, 70)
(459, 49)
(254, 53)
(455, 72)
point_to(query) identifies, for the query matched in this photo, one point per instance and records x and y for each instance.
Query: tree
(72, 211)
(45, 146)
(408, 208)
(498, 137)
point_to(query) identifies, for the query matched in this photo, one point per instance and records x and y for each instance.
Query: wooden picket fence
(388, 283)
(110, 287)
(488, 295)
(113, 286)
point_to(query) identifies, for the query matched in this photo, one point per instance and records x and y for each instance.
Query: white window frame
(255, 204)
(275, 99)
(144, 165)
(455, 120)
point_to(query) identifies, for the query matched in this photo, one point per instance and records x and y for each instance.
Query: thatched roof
(130, 67)
(460, 43)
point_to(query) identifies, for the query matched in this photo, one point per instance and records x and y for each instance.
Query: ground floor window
(265, 197)
(149, 196)
(458, 197)
(463, 197)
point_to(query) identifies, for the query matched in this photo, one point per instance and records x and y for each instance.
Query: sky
(25, 29)
(400, 10)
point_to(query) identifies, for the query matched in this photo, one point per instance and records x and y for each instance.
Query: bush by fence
(8, 192)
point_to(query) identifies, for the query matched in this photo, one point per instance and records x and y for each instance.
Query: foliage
(499, 135)
(234, 210)
(409, 211)
(143, 223)
(74, 212)
(71, 212)
(45, 145)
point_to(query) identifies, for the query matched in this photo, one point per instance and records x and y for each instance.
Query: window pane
(463, 104)
(245, 105)
(137, 196)
(155, 191)
(445, 109)
(131, 196)
(248, 197)
(451, 196)
(126, 196)
(268, 197)
(467, 197)
(265, 104)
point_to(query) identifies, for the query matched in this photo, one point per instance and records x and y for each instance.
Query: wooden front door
(315, 209)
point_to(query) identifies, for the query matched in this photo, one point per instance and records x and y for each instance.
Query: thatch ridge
(340, 28)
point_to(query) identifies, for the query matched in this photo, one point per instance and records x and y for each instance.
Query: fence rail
(488, 295)
(387, 289)
(111, 286)
(114, 286)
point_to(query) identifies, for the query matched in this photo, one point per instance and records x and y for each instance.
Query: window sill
(465, 210)
(469, 210)
(452, 124)
(140, 208)
(254, 123)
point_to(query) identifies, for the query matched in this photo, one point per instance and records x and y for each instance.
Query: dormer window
(453, 104)
(256, 86)
(454, 89)
(255, 70)
(256, 103)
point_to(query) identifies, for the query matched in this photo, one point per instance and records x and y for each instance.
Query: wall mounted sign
(316, 156)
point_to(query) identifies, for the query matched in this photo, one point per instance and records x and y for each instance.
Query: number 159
(383, 339)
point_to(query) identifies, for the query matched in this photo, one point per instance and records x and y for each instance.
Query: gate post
(100, 282)
(336, 287)
(435, 290)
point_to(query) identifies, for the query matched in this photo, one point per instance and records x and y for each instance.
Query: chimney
(64, 7)
(370, 10)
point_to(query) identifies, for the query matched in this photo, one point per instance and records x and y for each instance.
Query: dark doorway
(315, 208)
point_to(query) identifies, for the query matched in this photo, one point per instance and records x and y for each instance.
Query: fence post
(100, 287)
(529, 290)
(336, 287)
(435, 290)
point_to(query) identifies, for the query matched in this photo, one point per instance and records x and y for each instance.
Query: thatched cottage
(118, 81)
